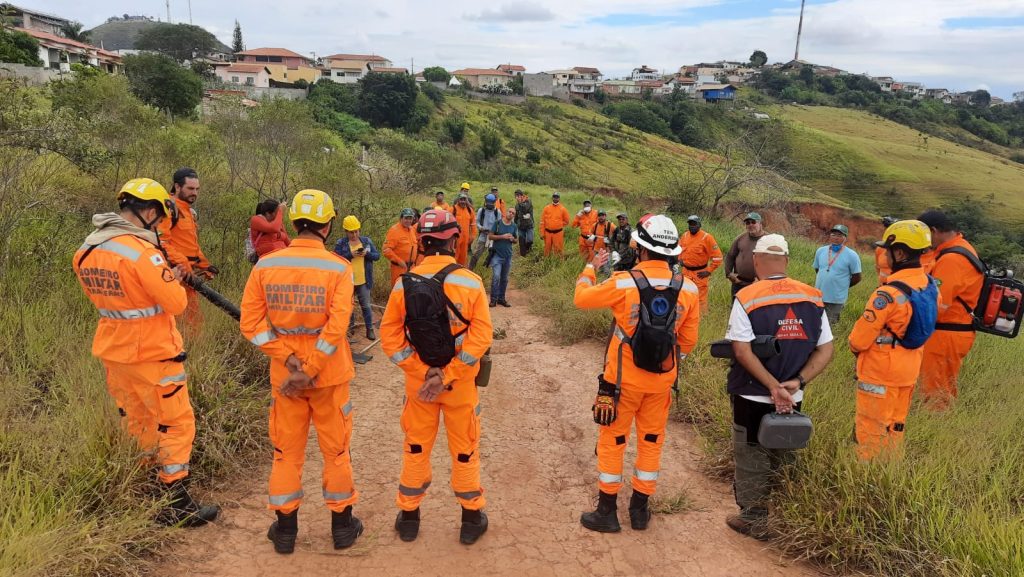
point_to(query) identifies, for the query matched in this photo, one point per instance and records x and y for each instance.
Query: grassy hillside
(883, 167)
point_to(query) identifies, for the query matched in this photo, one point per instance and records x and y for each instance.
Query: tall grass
(951, 504)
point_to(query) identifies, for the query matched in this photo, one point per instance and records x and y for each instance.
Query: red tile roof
(480, 72)
(282, 52)
(366, 57)
(246, 68)
(511, 68)
(391, 70)
(48, 38)
(586, 70)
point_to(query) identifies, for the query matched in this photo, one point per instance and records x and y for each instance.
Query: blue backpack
(924, 312)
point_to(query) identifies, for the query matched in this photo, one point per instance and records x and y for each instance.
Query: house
(915, 89)
(349, 68)
(688, 71)
(513, 69)
(257, 75)
(682, 83)
(936, 93)
(483, 77)
(33, 19)
(285, 66)
(59, 53)
(645, 72)
(584, 81)
(714, 93)
(628, 88)
(561, 77)
(884, 82)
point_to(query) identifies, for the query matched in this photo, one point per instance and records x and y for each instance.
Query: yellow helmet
(350, 223)
(465, 186)
(913, 234)
(148, 189)
(312, 205)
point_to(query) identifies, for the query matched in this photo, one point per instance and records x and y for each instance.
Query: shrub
(455, 127)
(490, 143)
(433, 93)
(436, 74)
(160, 82)
(387, 100)
(19, 48)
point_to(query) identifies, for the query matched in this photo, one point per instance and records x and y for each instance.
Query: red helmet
(439, 224)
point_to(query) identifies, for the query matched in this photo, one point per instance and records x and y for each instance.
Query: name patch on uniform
(791, 328)
(296, 298)
(101, 282)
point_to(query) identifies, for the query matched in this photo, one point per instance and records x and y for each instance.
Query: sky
(954, 44)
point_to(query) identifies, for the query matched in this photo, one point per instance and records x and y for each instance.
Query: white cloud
(515, 12)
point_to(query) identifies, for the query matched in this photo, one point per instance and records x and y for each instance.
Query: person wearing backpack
(656, 314)
(960, 284)
(486, 217)
(436, 328)
(888, 338)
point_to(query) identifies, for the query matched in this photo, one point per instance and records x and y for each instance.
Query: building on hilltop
(715, 93)
(513, 69)
(285, 66)
(257, 75)
(33, 19)
(483, 77)
(645, 72)
(350, 68)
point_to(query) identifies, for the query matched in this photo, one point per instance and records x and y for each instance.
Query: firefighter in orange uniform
(439, 202)
(553, 220)
(449, 389)
(585, 220)
(601, 234)
(626, 392)
(296, 309)
(960, 286)
(180, 240)
(400, 246)
(124, 273)
(466, 217)
(886, 369)
(701, 257)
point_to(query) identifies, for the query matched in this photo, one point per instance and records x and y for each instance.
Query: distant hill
(122, 34)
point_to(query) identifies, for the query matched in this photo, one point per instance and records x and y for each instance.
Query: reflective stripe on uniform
(325, 347)
(621, 334)
(282, 500)
(585, 280)
(462, 281)
(476, 410)
(298, 331)
(402, 355)
(129, 314)
(346, 408)
(467, 358)
(869, 388)
(885, 340)
(329, 496)
(120, 249)
(747, 306)
(398, 286)
(467, 495)
(689, 286)
(645, 475)
(609, 478)
(173, 379)
(174, 468)
(413, 491)
(459, 339)
(263, 338)
(301, 262)
(900, 298)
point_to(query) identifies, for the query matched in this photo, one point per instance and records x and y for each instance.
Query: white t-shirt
(741, 330)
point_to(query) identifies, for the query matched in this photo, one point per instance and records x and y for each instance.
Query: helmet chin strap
(146, 224)
(327, 234)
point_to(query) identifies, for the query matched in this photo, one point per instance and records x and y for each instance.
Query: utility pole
(190, 11)
(169, 12)
(799, 31)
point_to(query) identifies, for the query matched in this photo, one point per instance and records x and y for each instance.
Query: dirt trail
(538, 470)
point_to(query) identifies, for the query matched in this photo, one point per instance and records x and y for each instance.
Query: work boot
(345, 528)
(284, 531)
(504, 303)
(182, 510)
(493, 303)
(605, 519)
(408, 525)
(474, 524)
(370, 335)
(750, 523)
(639, 512)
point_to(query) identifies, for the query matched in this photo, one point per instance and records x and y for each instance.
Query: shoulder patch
(880, 303)
(870, 316)
(167, 275)
(157, 260)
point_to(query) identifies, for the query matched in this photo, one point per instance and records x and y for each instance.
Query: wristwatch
(800, 378)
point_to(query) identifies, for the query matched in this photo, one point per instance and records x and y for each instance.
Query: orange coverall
(645, 396)
(129, 282)
(181, 243)
(585, 221)
(600, 232)
(959, 285)
(553, 220)
(459, 402)
(886, 372)
(401, 248)
(700, 254)
(298, 300)
(443, 206)
(466, 217)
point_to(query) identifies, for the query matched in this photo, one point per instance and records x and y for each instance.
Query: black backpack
(654, 341)
(427, 325)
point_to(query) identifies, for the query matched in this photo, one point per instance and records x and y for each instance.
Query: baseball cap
(772, 244)
(587, 202)
(490, 198)
(693, 218)
(936, 219)
(841, 228)
(556, 195)
(601, 211)
(408, 212)
(752, 216)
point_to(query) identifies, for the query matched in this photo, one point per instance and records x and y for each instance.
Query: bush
(19, 48)
(387, 100)
(436, 74)
(420, 116)
(433, 93)
(640, 116)
(160, 82)
(455, 127)
(490, 143)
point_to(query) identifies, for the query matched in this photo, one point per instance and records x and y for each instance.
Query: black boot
(370, 335)
(474, 524)
(408, 525)
(345, 528)
(284, 531)
(183, 510)
(639, 512)
(605, 518)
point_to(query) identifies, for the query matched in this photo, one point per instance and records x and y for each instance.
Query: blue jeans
(363, 294)
(500, 267)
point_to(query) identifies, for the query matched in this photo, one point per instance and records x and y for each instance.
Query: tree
(455, 127)
(517, 84)
(436, 74)
(73, 31)
(490, 143)
(160, 82)
(758, 59)
(179, 41)
(807, 75)
(19, 48)
(236, 39)
(981, 98)
(387, 100)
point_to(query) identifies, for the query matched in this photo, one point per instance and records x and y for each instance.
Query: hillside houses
(285, 66)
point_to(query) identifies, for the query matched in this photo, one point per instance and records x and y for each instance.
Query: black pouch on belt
(785, 431)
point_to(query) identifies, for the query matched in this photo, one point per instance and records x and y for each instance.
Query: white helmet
(658, 233)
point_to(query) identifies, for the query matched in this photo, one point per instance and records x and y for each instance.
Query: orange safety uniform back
(466, 291)
(959, 283)
(620, 294)
(181, 240)
(880, 360)
(882, 265)
(299, 300)
(554, 218)
(400, 244)
(129, 282)
(700, 251)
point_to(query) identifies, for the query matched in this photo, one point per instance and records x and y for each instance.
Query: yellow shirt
(358, 264)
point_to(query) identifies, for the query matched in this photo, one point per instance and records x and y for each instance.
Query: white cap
(772, 244)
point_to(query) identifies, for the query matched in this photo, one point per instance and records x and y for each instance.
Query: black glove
(606, 402)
